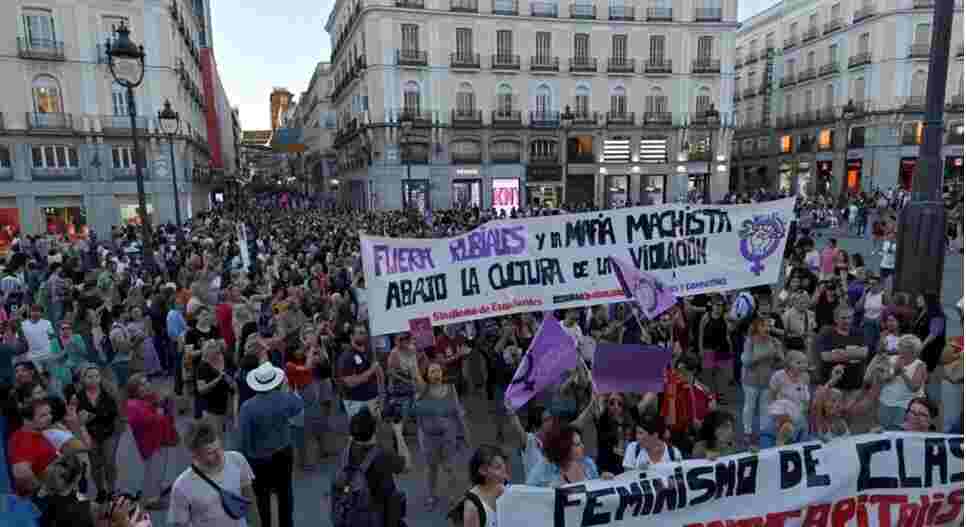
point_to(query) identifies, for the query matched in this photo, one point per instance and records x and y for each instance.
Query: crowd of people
(268, 343)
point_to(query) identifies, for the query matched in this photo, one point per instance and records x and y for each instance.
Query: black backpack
(456, 513)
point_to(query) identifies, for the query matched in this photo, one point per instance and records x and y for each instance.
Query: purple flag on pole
(552, 352)
(630, 368)
(652, 296)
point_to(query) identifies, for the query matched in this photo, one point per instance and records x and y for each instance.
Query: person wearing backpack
(489, 473)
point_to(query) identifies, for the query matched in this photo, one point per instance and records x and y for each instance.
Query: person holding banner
(566, 461)
(717, 437)
(651, 447)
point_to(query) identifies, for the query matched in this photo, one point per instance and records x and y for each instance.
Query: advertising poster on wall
(506, 195)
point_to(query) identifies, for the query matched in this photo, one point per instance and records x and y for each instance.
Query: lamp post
(126, 62)
(406, 123)
(712, 117)
(170, 123)
(566, 121)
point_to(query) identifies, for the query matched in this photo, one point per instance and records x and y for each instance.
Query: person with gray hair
(840, 345)
(902, 379)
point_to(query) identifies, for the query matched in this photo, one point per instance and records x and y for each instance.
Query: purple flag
(552, 352)
(630, 368)
(651, 294)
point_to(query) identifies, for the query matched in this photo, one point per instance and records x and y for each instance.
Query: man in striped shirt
(9, 284)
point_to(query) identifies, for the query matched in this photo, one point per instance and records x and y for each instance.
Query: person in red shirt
(30, 452)
(686, 402)
(223, 319)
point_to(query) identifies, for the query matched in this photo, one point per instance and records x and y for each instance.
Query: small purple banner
(651, 295)
(630, 368)
(552, 352)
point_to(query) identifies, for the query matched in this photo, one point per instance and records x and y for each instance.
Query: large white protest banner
(874, 480)
(556, 262)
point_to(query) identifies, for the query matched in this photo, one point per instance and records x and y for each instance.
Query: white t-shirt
(194, 502)
(38, 338)
(637, 458)
(888, 255)
(795, 391)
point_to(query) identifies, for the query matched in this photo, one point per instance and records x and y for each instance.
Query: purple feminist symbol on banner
(759, 238)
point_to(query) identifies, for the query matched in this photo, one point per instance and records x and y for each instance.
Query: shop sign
(467, 172)
(506, 195)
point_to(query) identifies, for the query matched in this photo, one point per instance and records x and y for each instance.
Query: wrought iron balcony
(506, 118)
(620, 118)
(584, 158)
(749, 92)
(502, 61)
(790, 42)
(660, 14)
(585, 118)
(923, 4)
(411, 4)
(705, 65)
(702, 118)
(40, 48)
(544, 119)
(707, 14)
(411, 57)
(859, 109)
(657, 66)
(832, 25)
(806, 74)
(828, 69)
(617, 12)
(50, 121)
(467, 158)
(544, 158)
(826, 115)
(914, 103)
(543, 9)
(583, 64)
(544, 63)
(461, 118)
(506, 7)
(464, 6)
(863, 13)
(583, 11)
(784, 122)
(114, 124)
(504, 157)
(788, 80)
(419, 118)
(810, 34)
(919, 50)
(621, 65)
(464, 60)
(657, 119)
(860, 59)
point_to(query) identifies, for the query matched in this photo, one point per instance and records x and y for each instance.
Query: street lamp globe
(169, 120)
(125, 58)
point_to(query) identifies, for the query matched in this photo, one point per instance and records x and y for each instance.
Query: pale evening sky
(260, 45)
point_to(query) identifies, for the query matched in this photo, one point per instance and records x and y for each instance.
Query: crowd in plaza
(268, 341)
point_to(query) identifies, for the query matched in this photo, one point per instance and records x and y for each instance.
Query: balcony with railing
(832, 25)
(705, 65)
(657, 119)
(585, 118)
(621, 65)
(620, 12)
(506, 119)
(955, 104)
(544, 119)
(660, 14)
(810, 34)
(50, 122)
(703, 118)
(506, 7)
(464, 118)
(788, 80)
(501, 61)
(411, 4)
(463, 60)
(919, 50)
(790, 42)
(784, 122)
(464, 6)
(914, 104)
(863, 12)
(825, 115)
(860, 59)
(467, 158)
(543, 9)
(750, 91)
(498, 157)
(541, 157)
(544, 63)
(583, 11)
(411, 57)
(806, 74)
(583, 64)
(419, 118)
(828, 69)
(620, 118)
(855, 109)
(40, 48)
(923, 4)
(657, 66)
(121, 124)
(707, 14)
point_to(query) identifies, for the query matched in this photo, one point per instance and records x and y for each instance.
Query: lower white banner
(873, 480)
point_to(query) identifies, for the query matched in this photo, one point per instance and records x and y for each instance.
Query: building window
(864, 42)
(833, 53)
(543, 46)
(830, 96)
(786, 143)
(702, 103)
(504, 99)
(581, 45)
(618, 45)
(464, 43)
(47, 157)
(657, 49)
(119, 99)
(810, 60)
(465, 100)
(656, 102)
(411, 98)
(582, 101)
(922, 35)
(47, 95)
(705, 46)
(504, 43)
(410, 37)
(858, 90)
(618, 101)
(39, 29)
(825, 139)
(5, 157)
(835, 11)
(123, 157)
(543, 100)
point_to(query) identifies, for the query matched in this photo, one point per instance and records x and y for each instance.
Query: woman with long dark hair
(930, 326)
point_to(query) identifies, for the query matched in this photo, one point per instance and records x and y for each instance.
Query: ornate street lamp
(170, 123)
(126, 62)
(849, 110)
(406, 123)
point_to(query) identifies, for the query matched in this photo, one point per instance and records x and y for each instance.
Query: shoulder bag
(235, 505)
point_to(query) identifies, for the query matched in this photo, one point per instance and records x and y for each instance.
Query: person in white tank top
(903, 381)
(489, 473)
(872, 303)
